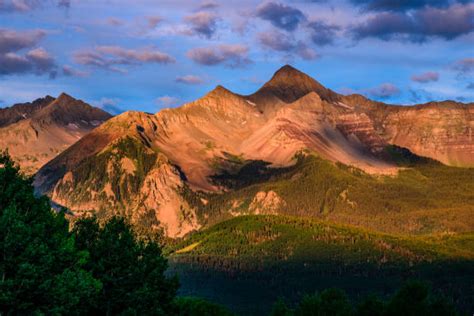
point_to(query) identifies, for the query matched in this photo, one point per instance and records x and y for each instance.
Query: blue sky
(146, 55)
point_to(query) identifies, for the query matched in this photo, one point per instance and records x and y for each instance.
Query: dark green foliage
(281, 309)
(191, 306)
(331, 302)
(404, 157)
(413, 299)
(371, 306)
(41, 272)
(131, 270)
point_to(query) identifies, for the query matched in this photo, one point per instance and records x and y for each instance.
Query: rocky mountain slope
(34, 133)
(146, 167)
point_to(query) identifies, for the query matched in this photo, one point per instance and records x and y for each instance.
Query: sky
(147, 55)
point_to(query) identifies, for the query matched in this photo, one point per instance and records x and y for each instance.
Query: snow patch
(251, 103)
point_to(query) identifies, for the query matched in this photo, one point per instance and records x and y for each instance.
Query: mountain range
(36, 132)
(227, 154)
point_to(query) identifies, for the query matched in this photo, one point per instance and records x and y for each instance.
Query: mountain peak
(288, 70)
(64, 97)
(289, 84)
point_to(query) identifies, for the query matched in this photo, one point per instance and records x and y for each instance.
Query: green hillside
(248, 262)
(425, 197)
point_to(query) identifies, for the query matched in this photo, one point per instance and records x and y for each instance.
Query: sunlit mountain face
(263, 151)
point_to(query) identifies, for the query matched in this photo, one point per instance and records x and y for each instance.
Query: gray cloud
(277, 41)
(228, 55)
(203, 23)
(12, 41)
(281, 42)
(384, 91)
(281, 15)
(35, 60)
(402, 5)
(417, 26)
(69, 71)
(108, 57)
(429, 76)
(464, 66)
(190, 79)
(208, 5)
(322, 33)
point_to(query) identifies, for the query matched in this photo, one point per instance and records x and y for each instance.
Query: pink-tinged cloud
(13, 59)
(429, 76)
(203, 23)
(69, 71)
(190, 79)
(12, 41)
(108, 57)
(464, 66)
(167, 101)
(279, 41)
(384, 91)
(229, 55)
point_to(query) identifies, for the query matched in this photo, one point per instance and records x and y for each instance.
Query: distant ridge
(36, 132)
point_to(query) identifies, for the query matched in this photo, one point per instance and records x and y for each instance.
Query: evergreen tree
(41, 272)
(131, 270)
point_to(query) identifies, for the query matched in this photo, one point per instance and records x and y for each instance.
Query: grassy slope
(250, 261)
(425, 197)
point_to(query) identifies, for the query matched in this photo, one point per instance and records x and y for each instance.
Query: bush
(191, 306)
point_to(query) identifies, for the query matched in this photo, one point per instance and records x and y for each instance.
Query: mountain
(227, 154)
(36, 132)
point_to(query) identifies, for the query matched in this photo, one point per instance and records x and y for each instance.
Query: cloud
(203, 23)
(69, 71)
(420, 95)
(190, 79)
(447, 23)
(112, 21)
(470, 86)
(167, 101)
(208, 5)
(13, 59)
(384, 91)
(429, 76)
(29, 5)
(278, 41)
(229, 55)
(153, 21)
(280, 15)
(401, 5)
(464, 66)
(108, 57)
(12, 41)
(109, 105)
(322, 33)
